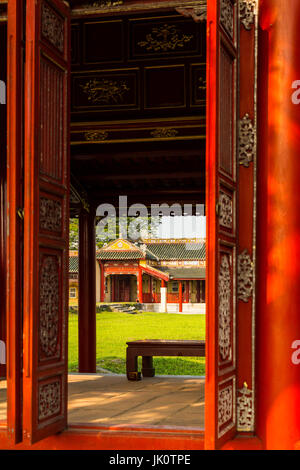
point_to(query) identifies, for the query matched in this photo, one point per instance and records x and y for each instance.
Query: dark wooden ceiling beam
(144, 176)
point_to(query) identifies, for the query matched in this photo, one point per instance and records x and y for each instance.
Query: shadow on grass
(163, 365)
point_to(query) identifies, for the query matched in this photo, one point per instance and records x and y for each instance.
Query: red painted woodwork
(3, 179)
(278, 319)
(14, 202)
(102, 282)
(46, 208)
(87, 292)
(220, 420)
(140, 285)
(180, 296)
(123, 289)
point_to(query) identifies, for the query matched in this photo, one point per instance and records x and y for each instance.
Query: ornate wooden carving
(226, 211)
(49, 399)
(247, 140)
(245, 409)
(164, 133)
(225, 408)
(49, 307)
(225, 293)
(105, 91)
(227, 16)
(166, 37)
(245, 276)
(50, 215)
(96, 135)
(52, 27)
(247, 12)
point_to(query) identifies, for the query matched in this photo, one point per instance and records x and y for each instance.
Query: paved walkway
(112, 400)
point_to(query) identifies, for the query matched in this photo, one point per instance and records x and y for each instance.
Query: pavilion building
(163, 275)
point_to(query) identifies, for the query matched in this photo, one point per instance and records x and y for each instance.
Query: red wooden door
(124, 289)
(220, 394)
(46, 207)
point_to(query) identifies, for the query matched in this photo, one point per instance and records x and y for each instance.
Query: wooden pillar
(180, 296)
(140, 285)
(87, 292)
(278, 234)
(102, 282)
(151, 288)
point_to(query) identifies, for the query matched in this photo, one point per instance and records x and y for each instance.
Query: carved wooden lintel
(197, 13)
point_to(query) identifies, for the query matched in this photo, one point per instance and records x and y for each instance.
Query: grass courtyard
(115, 329)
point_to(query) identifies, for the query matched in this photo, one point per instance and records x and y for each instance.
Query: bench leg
(131, 366)
(147, 366)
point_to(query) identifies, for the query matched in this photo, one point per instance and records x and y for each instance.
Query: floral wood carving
(49, 306)
(226, 16)
(245, 276)
(225, 407)
(104, 4)
(226, 211)
(163, 133)
(225, 309)
(247, 12)
(247, 141)
(49, 400)
(245, 409)
(105, 91)
(198, 13)
(50, 215)
(96, 135)
(52, 27)
(165, 38)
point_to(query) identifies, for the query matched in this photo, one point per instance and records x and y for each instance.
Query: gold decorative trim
(165, 38)
(247, 12)
(245, 409)
(227, 16)
(89, 9)
(163, 133)
(95, 135)
(52, 27)
(247, 140)
(104, 4)
(245, 276)
(105, 91)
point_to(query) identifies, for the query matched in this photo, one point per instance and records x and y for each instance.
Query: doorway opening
(138, 130)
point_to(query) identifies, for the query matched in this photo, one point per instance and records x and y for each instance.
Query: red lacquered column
(87, 292)
(180, 296)
(140, 285)
(102, 282)
(278, 236)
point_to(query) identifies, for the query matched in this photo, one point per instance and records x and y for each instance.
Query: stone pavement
(110, 399)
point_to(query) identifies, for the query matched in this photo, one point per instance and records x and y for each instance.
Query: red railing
(149, 298)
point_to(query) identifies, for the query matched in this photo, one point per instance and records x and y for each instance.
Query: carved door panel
(220, 420)
(46, 214)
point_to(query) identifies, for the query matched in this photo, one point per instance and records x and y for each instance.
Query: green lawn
(115, 329)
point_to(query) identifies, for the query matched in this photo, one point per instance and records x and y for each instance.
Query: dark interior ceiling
(138, 108)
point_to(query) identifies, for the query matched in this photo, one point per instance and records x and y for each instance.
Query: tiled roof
(177, 251)
(73, 264)
(154, 251)
(184, 273)
(119, 255)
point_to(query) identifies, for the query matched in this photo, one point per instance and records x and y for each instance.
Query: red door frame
(11, 2)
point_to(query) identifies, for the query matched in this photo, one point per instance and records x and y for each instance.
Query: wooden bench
(157, 347)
